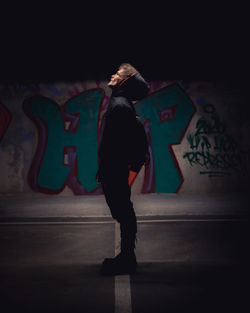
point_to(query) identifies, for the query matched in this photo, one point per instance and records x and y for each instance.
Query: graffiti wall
(212, 148)
(50, 135)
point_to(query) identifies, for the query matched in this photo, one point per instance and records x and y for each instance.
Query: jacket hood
(134, 88)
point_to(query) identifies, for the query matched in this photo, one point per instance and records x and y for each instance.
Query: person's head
(124, 71)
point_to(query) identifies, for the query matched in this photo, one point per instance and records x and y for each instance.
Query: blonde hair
(128, 70)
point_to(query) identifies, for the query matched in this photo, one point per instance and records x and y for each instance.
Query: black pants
(117, 194)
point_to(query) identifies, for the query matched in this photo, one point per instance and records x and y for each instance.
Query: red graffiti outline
(163, 118)
(181, 138)
(149, 174)
(5, 118)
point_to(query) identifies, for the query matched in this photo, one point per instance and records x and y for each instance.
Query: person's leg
(117, 194)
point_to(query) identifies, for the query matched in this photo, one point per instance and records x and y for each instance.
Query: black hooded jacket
(120, 123)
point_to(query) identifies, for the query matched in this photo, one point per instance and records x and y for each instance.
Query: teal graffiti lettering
(68, 137)
(50, 169)
(164, 134)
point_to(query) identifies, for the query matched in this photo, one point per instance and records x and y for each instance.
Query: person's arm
(114, 144)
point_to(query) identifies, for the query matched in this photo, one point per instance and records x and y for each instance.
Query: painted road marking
(117, 238)
(122, 283)
(122, 294)
(138, 221)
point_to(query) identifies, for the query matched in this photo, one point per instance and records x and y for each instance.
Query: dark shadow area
(78, 43)
(55, 268)
(204, 241)
(190, 287)
(162, 57)
(192, 267)
(55, 288)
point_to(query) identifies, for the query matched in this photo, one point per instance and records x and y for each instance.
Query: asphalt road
(185, 265)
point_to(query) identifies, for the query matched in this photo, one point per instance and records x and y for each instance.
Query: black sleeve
(116, 134)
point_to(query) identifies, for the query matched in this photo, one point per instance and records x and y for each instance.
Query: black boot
(125, 261)
(120, 265)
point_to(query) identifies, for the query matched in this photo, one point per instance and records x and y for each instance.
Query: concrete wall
(198, 134)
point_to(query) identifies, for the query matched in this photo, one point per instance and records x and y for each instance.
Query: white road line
(122, 294)
(193, 220)
(55, 223)
(138, 221)
(117, 238)
(122, 283)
